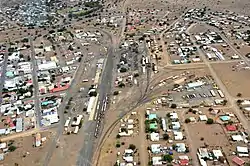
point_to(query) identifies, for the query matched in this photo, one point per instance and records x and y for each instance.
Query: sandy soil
(66, 153)
(235, 81)
(26, 154)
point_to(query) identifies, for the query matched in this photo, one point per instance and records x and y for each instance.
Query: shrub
(210, 121)
(12, 148)
(118, 145)
(187, 120)
(168, 158)
(173, 106)
(132, 146)
(165, 136)
(115, 93)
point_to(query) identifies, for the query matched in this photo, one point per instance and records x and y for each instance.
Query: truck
(221, 94)
(213, 93)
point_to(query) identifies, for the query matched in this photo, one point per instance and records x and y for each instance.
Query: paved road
(2, 78)
(69, 92)
(35, 84)
(86, 153)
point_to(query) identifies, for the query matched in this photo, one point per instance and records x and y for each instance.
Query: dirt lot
(235, 81)
(26, 154)
(66, 153)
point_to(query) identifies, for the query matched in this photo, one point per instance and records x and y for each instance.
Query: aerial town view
(124, 83)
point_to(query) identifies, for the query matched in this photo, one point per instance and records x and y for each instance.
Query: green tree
(12, 148)
(115, 93)
(132, 146)
(210, 121)
(187, 120)
(118, 145)
(173, 106)
(165, 136)
(168, 158)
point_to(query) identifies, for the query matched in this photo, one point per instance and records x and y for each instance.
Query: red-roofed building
(231, 127)
(238, 161)
(184, 162)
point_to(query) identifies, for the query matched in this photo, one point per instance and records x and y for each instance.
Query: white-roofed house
(178, 135)
(203, 117)
(242, 151)
(176, 125)
(154, 136)
(157, 160)
(156, 148)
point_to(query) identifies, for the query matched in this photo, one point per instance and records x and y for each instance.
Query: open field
(67, 151)
(26, 154)
(235, 81)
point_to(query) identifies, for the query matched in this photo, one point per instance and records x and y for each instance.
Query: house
(242, 151)
(180, 147)
(176, 125)
(153, 126)
(128, 152)
(238, 161)
(157, 160)
(152, 116)
(217, 154)
(203, 117)
(237, 138)
(225, 118)
(194, 85)
(154, 136)
(245, 102)
(156, 148)
(203, 153)
(128, 159)
(231, 127)
(19, 125)
(164, 126)
(130, 121)
(174, 116)
(178, 135)
(184, 162)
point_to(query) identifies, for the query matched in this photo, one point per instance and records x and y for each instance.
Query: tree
(165, 136)
(118, 145)
(239, 101)
(123, 70)
(136, 75)
(12, 148)
(132, 146)
(118, 136)
(239, 94)
(224, 102)
(168, 158)
(187, 120)
(121, 85)
(173, 106)
(115, 93)
(80, 59)
(176, 85)
(210, 121)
